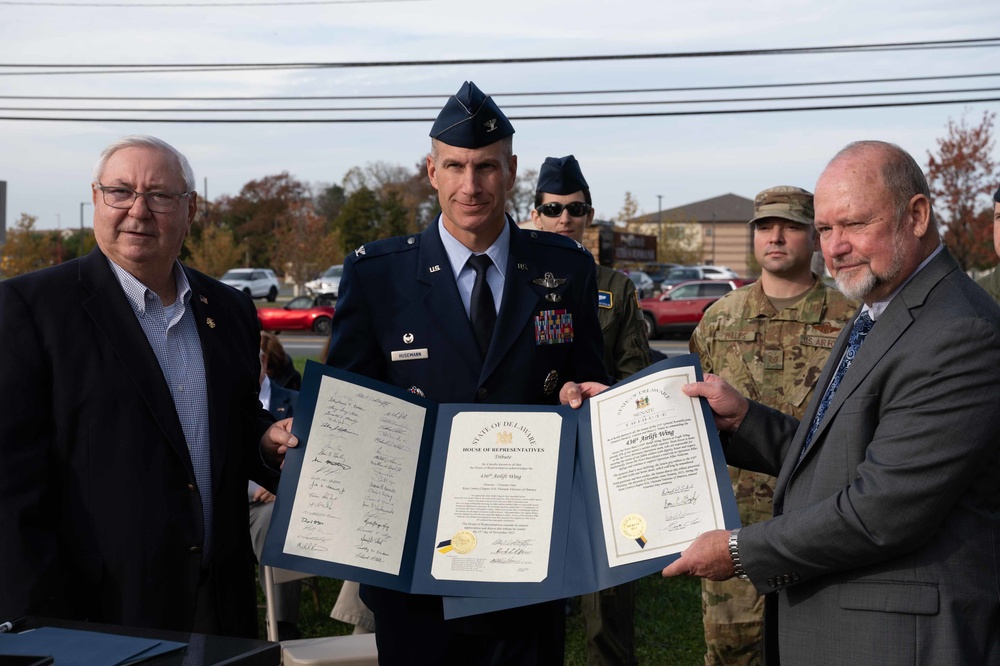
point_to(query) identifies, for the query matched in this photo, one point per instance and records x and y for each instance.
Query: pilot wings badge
(549, 281)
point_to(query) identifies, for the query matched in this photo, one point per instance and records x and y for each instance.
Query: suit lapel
(889, 327)
(439, 296)
(207, 317)
(109, 308)
(520, 299)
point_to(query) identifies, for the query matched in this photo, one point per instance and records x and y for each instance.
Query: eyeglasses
(555, 209)
(158, 202)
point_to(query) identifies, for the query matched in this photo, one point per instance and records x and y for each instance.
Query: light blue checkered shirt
(173, 335)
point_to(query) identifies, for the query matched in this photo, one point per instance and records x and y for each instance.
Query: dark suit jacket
(400, 295)
(101, 517)
(282, 404)
(885, 546)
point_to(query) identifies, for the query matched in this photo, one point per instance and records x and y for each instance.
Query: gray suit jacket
(885, 545)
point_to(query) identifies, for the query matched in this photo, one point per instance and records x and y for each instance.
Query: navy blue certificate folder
(578, 559)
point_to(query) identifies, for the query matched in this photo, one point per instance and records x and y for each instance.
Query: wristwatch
(734, 553)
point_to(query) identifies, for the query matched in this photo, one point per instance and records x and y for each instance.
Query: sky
(664, 162)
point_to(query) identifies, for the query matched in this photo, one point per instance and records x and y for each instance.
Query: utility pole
(659, 223)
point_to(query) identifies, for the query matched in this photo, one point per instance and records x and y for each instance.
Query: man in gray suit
(884, 547)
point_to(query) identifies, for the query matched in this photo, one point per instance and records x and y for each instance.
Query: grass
(667, 617)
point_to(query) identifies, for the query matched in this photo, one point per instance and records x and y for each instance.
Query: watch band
(734, 553)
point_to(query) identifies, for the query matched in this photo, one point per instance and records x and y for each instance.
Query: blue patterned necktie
(862, 325)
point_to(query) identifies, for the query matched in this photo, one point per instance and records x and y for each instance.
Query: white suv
(327, 284)
(254, 282)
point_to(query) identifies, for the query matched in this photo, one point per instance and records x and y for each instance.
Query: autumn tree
(360, 219)
(521, 199)
(303, 245)
(215, 250)
(962, 174)
(26, 249)
(254, 213)
(630, 209)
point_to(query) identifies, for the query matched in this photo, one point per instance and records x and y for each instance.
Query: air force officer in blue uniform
(471, 310)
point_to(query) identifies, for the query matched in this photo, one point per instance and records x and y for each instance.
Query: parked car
(658, 272)
(680, 274)
(680, 309)
(254, 282)
(304, 313)
(327, 284)
(643, 283)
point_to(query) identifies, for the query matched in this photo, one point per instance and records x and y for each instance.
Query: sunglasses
(554, 209)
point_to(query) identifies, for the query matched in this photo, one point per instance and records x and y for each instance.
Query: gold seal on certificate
(464, 542)
(633, 526)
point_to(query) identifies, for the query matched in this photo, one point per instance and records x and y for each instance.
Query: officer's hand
(574, 394)
(728, 405)
(707, 557)
(262, 496)
(277, 440)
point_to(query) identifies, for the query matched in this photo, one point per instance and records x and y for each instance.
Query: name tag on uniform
(409, 354)
(605, 300)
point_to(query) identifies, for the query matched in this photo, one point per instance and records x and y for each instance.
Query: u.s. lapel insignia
(553, 297)
(551, 380)
(408, 338)
(522, 267)
(210, 322)
(203, 300)
(360, 251)
(434, 269)
(549, 281)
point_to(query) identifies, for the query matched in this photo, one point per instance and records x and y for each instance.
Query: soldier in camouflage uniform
(563, 205)
(770, 340)
(991, 281)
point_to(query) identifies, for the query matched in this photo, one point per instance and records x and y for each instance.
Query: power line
(651, 114)
(172, 5)
(551, 105)
(92, 68)
(617, 91)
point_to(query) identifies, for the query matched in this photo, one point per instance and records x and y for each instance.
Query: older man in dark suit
(131, 420)
(884, 545)
(471, 310)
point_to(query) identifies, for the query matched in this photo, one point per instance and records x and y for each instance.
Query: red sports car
(303, 313)
(680, 308)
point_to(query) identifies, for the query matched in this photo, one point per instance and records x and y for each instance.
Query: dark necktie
(482, 310)
(862, 325)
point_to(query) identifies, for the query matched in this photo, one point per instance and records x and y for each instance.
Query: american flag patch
(553, 327)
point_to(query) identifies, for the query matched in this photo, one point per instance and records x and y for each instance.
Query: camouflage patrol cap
(471, 119)
(784, 201)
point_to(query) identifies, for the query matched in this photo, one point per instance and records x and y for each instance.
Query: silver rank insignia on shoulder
(551, 380)
(549, 281)
(408, 338)
(553, 297)
(360, 251)
(415, 391)
(434, 269)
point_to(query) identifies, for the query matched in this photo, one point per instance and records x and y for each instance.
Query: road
(311, 346)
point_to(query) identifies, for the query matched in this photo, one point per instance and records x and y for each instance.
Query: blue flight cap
(561, 175)
(471, 119)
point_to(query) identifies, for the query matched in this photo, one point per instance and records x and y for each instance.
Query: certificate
(654, 471)
(649, 477)
(388, 489)
(495, 506)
